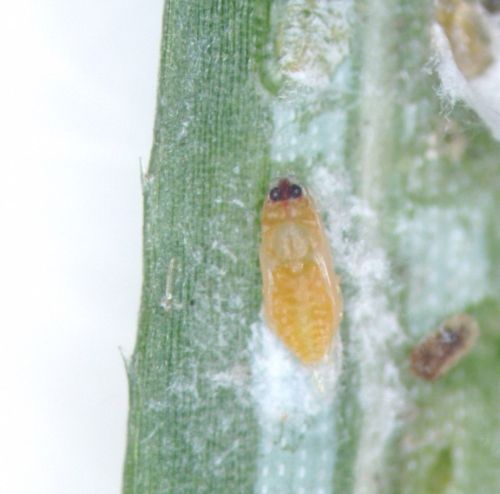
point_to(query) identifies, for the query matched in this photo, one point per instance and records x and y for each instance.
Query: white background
(77, 96)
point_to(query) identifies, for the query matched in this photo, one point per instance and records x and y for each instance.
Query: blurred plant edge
(467, 43)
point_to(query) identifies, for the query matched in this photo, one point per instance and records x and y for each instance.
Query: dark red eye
(275, 194)
(295, 191)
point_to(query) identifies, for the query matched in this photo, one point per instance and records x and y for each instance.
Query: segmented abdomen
(300, 309)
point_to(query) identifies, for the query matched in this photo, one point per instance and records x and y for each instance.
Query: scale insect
(301, 292)
(444, 348)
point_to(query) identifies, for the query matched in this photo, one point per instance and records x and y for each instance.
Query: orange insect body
(302, 299)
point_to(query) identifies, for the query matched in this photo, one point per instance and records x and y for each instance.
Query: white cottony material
(374, 327)
(311, 40)
(481, 93)
(296, 404)
(284, 388)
